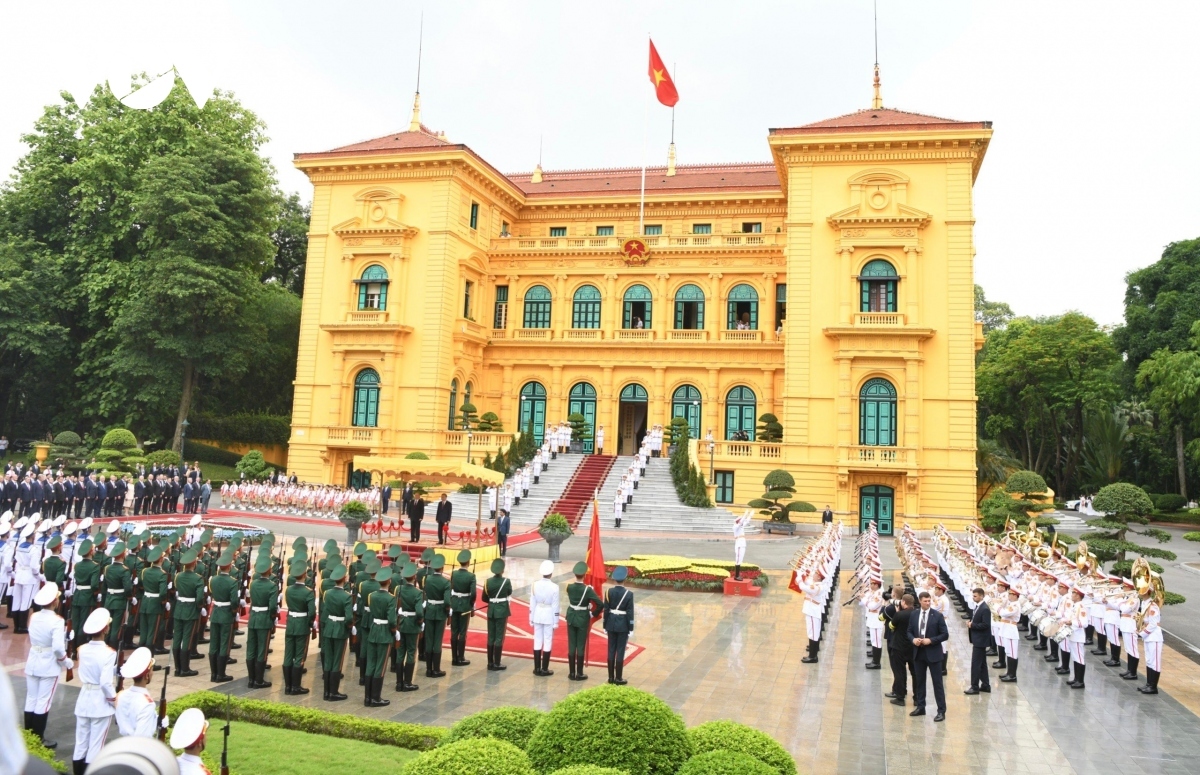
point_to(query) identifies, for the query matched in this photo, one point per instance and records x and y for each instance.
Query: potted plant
(353, 515)
(780, 486)
(580, 432)
(554, 530)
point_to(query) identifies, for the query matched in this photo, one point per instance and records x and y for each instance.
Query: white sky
(1093, 168)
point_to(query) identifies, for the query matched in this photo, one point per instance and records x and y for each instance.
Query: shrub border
(33, 745)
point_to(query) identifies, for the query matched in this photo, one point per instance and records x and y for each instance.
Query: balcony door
(876, 504)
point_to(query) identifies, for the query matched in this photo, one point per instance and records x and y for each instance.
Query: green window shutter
(362, 296)
(891, 295)
(383, 296)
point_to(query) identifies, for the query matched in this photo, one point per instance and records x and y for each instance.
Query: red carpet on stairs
(588, 478)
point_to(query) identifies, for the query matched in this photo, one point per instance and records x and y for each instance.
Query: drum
(1036, 616)
(1049, 626)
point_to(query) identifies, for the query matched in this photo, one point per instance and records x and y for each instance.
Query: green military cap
(330, 546)
(438, 562)
(368, 555)
(263, 564)
(338, 573)
(226, 559)
(301, 552)
(268, 537)
(464, 556)
(497, 566)
(85, 546)
(394, 551)
(383, 575)
(409, 571)
(117, 549)
(235, 543)
(359, 549)
(54, 542)
(156, 553)
(620, 573)
(189, 557)
(144, 535)
(298, 569)
(373, 567)
(135, 543)
(299, 542)
(427, 555)
(206, 536)
(580, 568)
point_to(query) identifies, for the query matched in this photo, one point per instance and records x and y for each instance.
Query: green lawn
(257, 750)
(218, 472)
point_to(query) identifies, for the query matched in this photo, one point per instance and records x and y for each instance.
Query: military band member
(189, 597)
(136, 711)
(264, 612)
(1129, 636)
(97, 694)
(1152, 638)
(1010, 614)
(437, 601)
(496, 592)
(583, 606)
(47, 659)
(381, 611)
(189, 736)
(335, 612)
(411, 611)
(462, 608)
(618, 623)
(223, 593)
(301, 625)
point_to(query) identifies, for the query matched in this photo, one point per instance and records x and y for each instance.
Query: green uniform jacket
(223, 589)
(583, 605)
(497, 587)
(412, 603)
(190, 585)
(134, 565)
(87, 584)
(419, 580)
(437, 597)
(462, 582)
(54, 568)
(335, 605)
(118, 585)
(264, 603)
(299, 599)
(381, 606)
(154, 590)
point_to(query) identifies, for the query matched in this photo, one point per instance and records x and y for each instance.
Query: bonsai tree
(422, 488)
(117, 445)
(769, 428)
(676, 431)
(254, 466)
(1123, 503)
(580, 430)
(468, 420)
(1022, 498)
(68, 447)
(489, 423)
(780, 487)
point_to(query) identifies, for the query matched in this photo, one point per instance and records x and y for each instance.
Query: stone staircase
(577, 497)
(531, 509)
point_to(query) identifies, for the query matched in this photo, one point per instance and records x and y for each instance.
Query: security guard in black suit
(618, 623)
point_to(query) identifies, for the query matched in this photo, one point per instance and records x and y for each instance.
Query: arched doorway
(583, 401)
(685, 403)
(740, 407)
(366, 399)
(631, 420)
(876, 503)
(533, 408)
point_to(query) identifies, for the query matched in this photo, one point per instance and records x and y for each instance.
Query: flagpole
(645, 135)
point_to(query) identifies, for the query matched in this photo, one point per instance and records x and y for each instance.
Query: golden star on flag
(658, 77)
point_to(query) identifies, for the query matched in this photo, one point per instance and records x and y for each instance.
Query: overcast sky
(1093, 169)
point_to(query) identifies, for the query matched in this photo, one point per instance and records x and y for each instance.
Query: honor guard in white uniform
(600, 440)
(492, 496)
(8, 545)
(94, 706)
(1078, 616)
(188, 736)
(25, 576)
(47, 659)
(872, 603)
(543, 618)
(137, 712)
(739, 542)
(1010, 613)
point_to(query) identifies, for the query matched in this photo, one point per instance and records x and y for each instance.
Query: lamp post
(712, 455)
(696, 404)
(469, 435)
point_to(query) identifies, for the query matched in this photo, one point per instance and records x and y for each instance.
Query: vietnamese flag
(597, 574)
(664, 87)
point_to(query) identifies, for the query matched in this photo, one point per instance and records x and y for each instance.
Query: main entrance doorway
(876, 504)
(583, 401)
(533, 410)
(632, 419)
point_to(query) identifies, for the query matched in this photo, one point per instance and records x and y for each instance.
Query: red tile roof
(690, 178)
(396, 141)
(881, 120)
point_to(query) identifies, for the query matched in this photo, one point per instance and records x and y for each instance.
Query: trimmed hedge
(732, 736)
(611, 726)
(35, 748)
(164, 457)
(473, 756)
(206, 453)
(245, 427)
(512, 724)
(414, 737)
(725, 763)
(67, 439)
(119, 438)
(588, 769)
(1169, 502)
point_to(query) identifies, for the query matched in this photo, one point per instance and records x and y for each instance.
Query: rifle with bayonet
(162, 705)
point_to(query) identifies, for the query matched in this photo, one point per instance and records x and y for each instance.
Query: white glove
(354, 631)
(170, 585)
(67, 663)
(397, 637)
(168, 605)
(166, 722)
(135, 581)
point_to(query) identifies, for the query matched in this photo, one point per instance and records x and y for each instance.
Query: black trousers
(503, 541)
(921, 667)
(414, 530)
(979, 668)
(443, 530)
(616, 647)
(900, 668)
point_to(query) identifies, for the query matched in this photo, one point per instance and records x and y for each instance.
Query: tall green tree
(290, 235)
(993, 314)
(1173, 379)
(1162, 303)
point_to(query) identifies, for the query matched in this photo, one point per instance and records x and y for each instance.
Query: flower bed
(660, 570)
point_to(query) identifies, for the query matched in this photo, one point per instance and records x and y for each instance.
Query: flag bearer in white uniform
(137, 712)
(94, 707)
(188, 736)
(543, 618)
(872, 603)
(47, 659)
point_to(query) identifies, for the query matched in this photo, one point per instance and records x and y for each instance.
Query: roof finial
(537, 171)
(877, 103)
(415, 124)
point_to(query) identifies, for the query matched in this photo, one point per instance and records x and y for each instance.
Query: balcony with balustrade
(351, 436)
(865, 457)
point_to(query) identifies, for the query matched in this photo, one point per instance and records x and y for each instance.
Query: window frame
(751, 227)
(373, 278)
(679, 308)
(878, 428)
(604, 231)
(537, 310)
(740, 403)
(702, 229)
(474, 215)
(468, 289)
(500, 308)
(628, 301)
(585, 310)
(724, 481)
(742, 293)
(558, 231)
(364, 408)
(652, 230)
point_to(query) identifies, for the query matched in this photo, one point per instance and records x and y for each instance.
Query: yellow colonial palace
(831, 286)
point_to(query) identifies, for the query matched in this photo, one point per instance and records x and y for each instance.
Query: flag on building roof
(664, 87)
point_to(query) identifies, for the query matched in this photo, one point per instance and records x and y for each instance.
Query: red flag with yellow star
(664, 87)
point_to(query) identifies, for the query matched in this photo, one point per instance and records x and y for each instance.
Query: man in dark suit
(503, 524)
(980, 631)
(900, 648)
(406, 499)
(444, 509)
(927, 631)
(827, 514)
(385, 495)
(416, 512)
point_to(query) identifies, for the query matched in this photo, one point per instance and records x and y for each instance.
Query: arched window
(366, 399)
(372, 288)
(741, 406)
(743, 308)
(638, 307)
(453, 404)
(878, 285)
(533, 410)
(537, 307)
(685, 403)
(585, 311)
(877, 414)
(583, 401)
(635, 394)
(689, 307)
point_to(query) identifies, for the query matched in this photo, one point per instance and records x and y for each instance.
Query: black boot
(499, 655)
(1151, 686)
(1064, 662)
(874, 663)
(1114, 655)
(546, 671)
(325, 685)
(78, 766)
(335, 681)
(737, 572)
(1089, 635)
(401, 684)
(611, 672)
(1079, 673)
(438, 672)
(42, 718)
(571, 662)
(263, 683)
(362, 673)
(378, 701)
(296, 675)
(812, 653)
(408, 676)
(1131, 674)
(185, 659)
(222, 671)
(1011, 675)
(537, 663)
(1101, 645)
(620, 668)
(1000, 663)
(462, 654)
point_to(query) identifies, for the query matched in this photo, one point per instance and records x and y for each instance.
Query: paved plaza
(712, 657)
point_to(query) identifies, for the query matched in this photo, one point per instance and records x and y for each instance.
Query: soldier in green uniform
(301, 626)
(264, 611)
(189, 596)
(357, 566)
(133, 564)
(362, 613)
(395, 553)
(462, 608)
(87, 589)
(205, 567)
(583, 605)
(618, 623)
(422, 572)
(412, 611)
(381, 612)
(154, 589)
(437, 601)
(335, 610)
(496, 592)
(118, 586)
(223, 592)
(54, 567)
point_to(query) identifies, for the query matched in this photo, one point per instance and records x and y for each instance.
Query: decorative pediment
(384, 227)
(862, 215)
(879, 197)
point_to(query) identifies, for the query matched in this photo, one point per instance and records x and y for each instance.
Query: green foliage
(290, 235)
(118, 438)
(611, 726)
(676, 431)
(354, 513)
(254, 466)
(1173, 598)
(993, 314)
(416, 456)
(1169, 502)
(260, 750)
(731, 736)
(580, 429)
(689, 482)
(67, 439)
(780, 487)
(468, 420)
(489, 422)
(35, 748)
(1162, 303)
(769, 428)
(1193, 536)
(1108, 437)
(132, 462)
(723, 762)
(1025, 484)
(207, 453)
(510, 723)
(1123, 501)
(472, 756)
(109, 455)
(246, 427)
(555, 524)
(588, 769)
(1125, 568)
(164, 457)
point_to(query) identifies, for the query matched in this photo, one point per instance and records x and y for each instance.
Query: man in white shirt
(137, 712)
(600, 440)
(543, 618)
(189, 736)
(94, 707)
(47, 659)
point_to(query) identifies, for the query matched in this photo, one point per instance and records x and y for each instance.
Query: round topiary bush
(725, 763)
(473, 756)
(67, 439)
(118, 438)
(511, 723)
(164, 457)
(732, 736)
(611, 726)
(588, 769)
(1025, 482)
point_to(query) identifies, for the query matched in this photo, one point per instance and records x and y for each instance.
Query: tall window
(500, 318)
(780, 303)
(537, 307)
(638, 307)
(743, 308)
(878, 285)
(701, 228)
(558, 231)
(504, 229)
(372, 288)
(724, 486)
(474, 215)
(751, 228)
(652, 230)
(583, 401)
(468, 290)
(585, 310)
(604, 231)
(740, 413)
(685, 403)
(689, 307)
(533, 410)
(453, 404)
(366, 399)
(877, 414)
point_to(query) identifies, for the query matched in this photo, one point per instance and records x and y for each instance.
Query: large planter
(352, 532)
(554, 541)
(771, 526)
(576, 447)
(41, 450)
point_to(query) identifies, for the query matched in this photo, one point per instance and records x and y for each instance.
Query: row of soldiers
(814, 574)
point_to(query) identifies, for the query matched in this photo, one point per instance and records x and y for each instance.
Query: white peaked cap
(113, 526)
(4, 528)
(27, 531)
(60, 519)
(196, 520)
(97, 620)
(69, 530)
(86, 523)
(20, 523)
(137, 663)
(45, 525)
(547, 568)
(188, 728)
(47, 594)
(7, 516)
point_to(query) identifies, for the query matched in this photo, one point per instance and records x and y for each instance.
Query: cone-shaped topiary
(611, 726)
(510, 723)
(473, 756)
(725, 763)
(732, 736)
(589, 769)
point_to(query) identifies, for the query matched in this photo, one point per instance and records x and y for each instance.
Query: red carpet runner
(588, 478)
